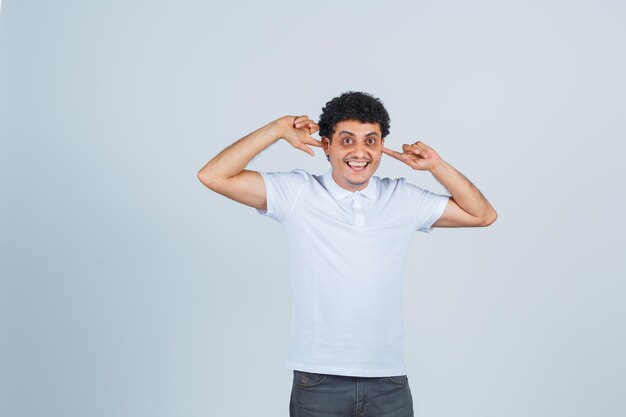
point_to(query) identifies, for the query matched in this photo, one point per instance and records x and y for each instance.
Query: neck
(352, 187)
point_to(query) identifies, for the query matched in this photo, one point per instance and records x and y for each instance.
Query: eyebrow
(350, 133)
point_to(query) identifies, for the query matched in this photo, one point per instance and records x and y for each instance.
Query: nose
(360, 150)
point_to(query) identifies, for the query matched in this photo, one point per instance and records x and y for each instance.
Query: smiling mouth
(357, 166)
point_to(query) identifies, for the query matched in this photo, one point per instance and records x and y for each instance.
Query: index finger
(399, 156)
(314, 142)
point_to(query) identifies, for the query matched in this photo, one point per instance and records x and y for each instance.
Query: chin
(359, 179)
(365, 175)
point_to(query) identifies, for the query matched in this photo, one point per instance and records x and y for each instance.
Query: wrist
(438, 167)
(279, 127)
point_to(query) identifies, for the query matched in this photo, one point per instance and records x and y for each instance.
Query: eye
(371, 141)
(347, 140)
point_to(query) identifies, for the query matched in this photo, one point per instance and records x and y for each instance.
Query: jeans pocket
(397, 379)
(308, 379)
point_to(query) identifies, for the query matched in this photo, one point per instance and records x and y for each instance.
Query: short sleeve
(428, 207)
(281, 192)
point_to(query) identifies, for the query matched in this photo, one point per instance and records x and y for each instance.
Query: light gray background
(130, 289)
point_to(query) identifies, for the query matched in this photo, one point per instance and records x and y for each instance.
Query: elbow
(205, 179)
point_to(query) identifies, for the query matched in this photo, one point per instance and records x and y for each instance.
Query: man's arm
(467, 206)
(225, 173)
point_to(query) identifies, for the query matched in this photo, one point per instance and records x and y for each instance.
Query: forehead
(357, 128)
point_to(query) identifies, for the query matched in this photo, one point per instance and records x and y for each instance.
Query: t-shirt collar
(340, 193)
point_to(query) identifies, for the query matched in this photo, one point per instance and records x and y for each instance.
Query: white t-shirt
(347, 252)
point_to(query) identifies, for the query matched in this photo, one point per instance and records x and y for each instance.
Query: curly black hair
(353, 105)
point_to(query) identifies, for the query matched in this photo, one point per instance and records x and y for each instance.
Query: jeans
(324, 395)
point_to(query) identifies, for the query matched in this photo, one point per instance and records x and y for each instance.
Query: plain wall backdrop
(129, 289)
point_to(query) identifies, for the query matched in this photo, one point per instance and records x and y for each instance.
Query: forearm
(232, 160)
(464, 193)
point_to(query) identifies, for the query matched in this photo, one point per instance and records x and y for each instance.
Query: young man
(348, 234)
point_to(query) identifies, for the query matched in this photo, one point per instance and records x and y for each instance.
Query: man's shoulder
(386, 182)
(304, 175)
(398, 186)
(296, 179)
(296, 174)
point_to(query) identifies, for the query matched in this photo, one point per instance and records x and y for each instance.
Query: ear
(325, 144)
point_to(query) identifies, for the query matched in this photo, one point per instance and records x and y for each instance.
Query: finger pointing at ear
(399, 156)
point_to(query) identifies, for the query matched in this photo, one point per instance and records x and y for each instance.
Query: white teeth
(357, 164)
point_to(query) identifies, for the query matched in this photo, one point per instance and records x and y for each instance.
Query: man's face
(354, 143)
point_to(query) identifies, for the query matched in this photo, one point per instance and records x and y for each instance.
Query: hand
(298, 130)
(418, 156)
